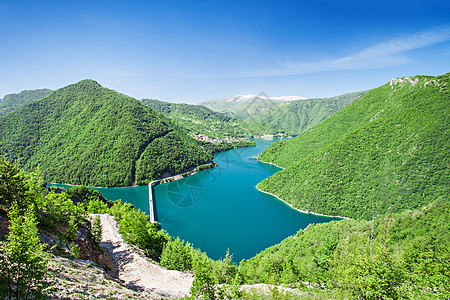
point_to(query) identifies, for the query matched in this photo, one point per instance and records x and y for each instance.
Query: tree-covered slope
(297, 116)
(87, 134)
(270, 116)
(12, 102)
(397, 256)
(388, 149)
(199, 119)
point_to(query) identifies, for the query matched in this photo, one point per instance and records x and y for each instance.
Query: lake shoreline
(211, 165)
(302, 211)
(268, 162)
(197, 169)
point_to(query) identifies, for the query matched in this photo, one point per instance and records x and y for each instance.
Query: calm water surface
(221, 208)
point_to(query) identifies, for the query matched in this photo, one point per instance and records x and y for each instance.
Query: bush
(137, 229)
(176, 255)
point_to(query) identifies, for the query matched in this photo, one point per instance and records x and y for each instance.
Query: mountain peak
(250, 97)
(89, 82)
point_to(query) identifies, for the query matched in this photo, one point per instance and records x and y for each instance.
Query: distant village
(212, 140)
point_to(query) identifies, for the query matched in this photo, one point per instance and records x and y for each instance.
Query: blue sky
(191, 51)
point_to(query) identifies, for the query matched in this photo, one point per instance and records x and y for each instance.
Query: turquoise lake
(221, 208)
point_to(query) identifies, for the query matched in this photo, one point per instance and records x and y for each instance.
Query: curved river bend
(221, 208)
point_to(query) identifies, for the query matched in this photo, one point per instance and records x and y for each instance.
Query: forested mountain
(296, 116)
(12, 102)
(289, 115)
(87, 134)
(387, 151)
(200, 119)
(245, 106)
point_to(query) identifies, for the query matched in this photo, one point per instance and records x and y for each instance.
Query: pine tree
(12, 187)
(23, 260)
(203, 286)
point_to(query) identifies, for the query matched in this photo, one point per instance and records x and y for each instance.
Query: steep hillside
(12, 102)
(290, 115)
(245, 106)
(87, 134)
(297, 116)
(388, 150)
(397, 256)
(199, 119)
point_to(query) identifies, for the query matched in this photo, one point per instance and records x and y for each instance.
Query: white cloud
(390, 53)
(386, 54)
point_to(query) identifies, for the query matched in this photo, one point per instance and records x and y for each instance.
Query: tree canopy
(389, 148)
(12, 102)
(87, 134)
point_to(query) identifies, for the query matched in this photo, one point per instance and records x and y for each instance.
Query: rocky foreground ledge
(130, 276)
(136, 271)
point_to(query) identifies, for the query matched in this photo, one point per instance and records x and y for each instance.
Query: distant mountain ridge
(199, 119)
(12, 102)
(288, 114)
(244, 106)
(90, 135)
(251, 97)
(296, 116)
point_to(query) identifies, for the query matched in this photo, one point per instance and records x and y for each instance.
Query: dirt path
(136, 271)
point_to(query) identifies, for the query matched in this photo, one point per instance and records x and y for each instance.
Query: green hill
(87, 134)
(199, 119)
(12, 102)
(243, 106)
(389, 150)
(266, 115)
(296, 116)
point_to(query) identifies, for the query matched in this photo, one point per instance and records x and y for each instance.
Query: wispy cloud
(386, 54)
(390, 53)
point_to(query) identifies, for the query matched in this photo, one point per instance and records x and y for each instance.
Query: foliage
(12, 187)
(12, 102)
(23, 261)
(96, 206)
(75, 250)
(96, 229)
(120, 208)
(203, 286)
(198, 119)
(407, 255)
(56, 208)
(169, 155)
(389, 147)
(86, 134)
(176, 255)
(265, 116)
(136, 229)
(228, 269)
(220, 147)
(91, 200)
(84, 194)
